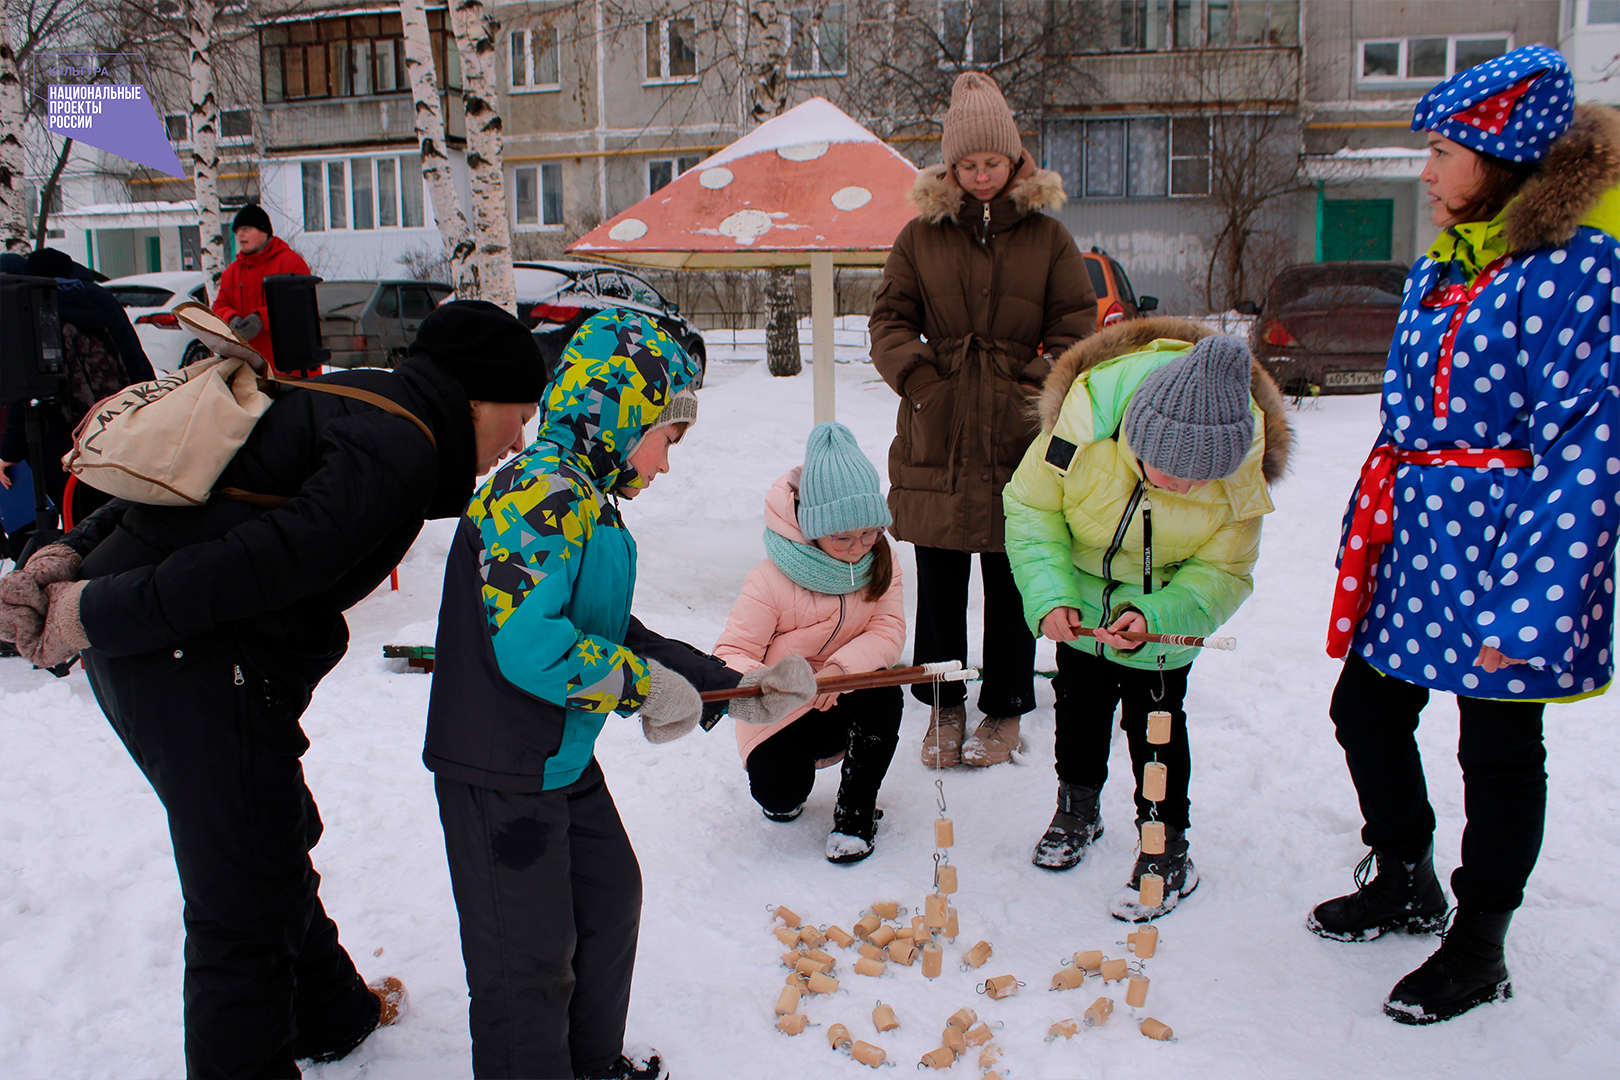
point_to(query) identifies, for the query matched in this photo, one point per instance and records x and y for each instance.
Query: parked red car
(1326, 328)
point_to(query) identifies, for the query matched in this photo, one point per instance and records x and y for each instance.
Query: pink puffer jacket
(774, 617)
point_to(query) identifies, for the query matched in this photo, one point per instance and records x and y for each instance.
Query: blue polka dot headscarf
(1512, 107)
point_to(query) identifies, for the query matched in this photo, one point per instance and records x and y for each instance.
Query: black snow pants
(1503, 759)
(942, 631)
(1088, 688)
(549, 894)
(266, 980)
(863, 724)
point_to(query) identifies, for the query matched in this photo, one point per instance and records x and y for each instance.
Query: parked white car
(150, 300)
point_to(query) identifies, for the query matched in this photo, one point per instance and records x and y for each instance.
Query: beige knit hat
(979, 121)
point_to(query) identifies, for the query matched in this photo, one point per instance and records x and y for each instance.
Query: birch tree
(475, 37)
(458, 242)
(13, 158)
(205, 140)
(768, 93)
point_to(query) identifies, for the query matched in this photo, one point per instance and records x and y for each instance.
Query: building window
(370, 193)
(661, 172)
(349, 56)
(534, 57)
(1601, 12)
(236, 126)
(671, 50)
(817, 44)
(178, 130)
(970, 32)
(537, 193)
(1139, 158)
(1428, 59)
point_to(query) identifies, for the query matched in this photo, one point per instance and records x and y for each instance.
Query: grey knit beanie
(979, 121)
(682, 409)
(1190, 419)
(839, 490)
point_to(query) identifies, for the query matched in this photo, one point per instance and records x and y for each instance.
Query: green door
(154, 255)
(1357, 229)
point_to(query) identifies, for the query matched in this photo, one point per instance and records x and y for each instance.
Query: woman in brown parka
(980, 291)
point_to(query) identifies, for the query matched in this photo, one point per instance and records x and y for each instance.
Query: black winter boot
(1466, 970)
(1075, 825)
(854, 828)
(642, 1064)
(1404, 897)
(1173, 864)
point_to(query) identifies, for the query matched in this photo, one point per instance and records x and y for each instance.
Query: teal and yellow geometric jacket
(536, 644)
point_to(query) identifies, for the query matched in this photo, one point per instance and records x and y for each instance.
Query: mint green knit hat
(839, 489)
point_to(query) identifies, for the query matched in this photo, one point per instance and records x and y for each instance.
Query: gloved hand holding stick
(946, 671)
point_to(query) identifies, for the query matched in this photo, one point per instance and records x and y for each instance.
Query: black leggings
(864, 724)
(1008, 668)
(1089, 688)
(1503, 760)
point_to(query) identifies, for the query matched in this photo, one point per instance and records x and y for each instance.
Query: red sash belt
(1373, 525)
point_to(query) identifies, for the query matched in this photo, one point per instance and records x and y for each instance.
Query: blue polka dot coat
(1518, 559)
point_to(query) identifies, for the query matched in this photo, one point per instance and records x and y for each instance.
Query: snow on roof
(810, 180)
(1381, 152)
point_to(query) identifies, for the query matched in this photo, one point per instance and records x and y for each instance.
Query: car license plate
(1353, 378)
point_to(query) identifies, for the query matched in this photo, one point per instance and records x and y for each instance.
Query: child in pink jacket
(829, 591)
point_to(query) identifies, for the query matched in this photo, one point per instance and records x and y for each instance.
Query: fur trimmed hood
(1133, 335)
(938, 196)
(1581, 165)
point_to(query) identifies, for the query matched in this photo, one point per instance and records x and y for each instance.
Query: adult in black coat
(205, 630)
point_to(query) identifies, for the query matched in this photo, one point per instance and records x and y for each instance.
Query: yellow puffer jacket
(1075, 523)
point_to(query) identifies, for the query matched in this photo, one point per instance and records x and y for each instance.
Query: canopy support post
(821, 330)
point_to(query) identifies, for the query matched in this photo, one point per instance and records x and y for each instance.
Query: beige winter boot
(942, 745)
(993, 742)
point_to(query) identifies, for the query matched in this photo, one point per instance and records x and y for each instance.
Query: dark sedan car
(554, 298)
(1326, 328)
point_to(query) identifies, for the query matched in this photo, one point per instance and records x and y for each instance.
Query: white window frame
(1170, 157)
(675, 168)
(970, 61)
(1586, 16)
(817, 68)
(526, 35)
(185, 120)
(1401, 78)
(541, 170)
(237, 140)
(350, 165)
(664, 78)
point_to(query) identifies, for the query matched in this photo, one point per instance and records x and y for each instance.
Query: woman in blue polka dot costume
(1478, 548)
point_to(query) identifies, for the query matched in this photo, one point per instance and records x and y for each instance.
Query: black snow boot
(1466, 970)
(1404, 897)
(1173, 864)
(637, 1065)
(1075, 825)
(854, 828)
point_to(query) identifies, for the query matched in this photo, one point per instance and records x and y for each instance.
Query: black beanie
(48, 262)
(253, 215)
(484, 348)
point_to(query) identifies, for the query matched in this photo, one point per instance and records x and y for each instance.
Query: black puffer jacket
(360, 481)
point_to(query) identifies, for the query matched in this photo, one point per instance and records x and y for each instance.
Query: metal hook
(1163, 689)
(939, 784)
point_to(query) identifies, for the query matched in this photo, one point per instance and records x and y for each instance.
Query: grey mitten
(61, 638)
(248, 326)
(21, 619)
(786, 685)
(53, 563)
(672, 707)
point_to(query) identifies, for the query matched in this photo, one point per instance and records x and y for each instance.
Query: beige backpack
(165, 442)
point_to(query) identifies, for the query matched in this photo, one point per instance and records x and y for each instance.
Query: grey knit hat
(1190, 419)
(839, 488)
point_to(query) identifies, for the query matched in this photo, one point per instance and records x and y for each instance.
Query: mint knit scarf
(814, 569)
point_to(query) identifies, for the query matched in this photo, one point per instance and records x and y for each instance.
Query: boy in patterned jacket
(536, 645)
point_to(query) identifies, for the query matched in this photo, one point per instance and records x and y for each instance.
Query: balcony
(1123, 81)
(353, 123)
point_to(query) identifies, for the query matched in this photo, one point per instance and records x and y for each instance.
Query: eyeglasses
(982, 170)
(864, 538)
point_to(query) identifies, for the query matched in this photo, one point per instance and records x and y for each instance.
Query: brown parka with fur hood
(974, 294)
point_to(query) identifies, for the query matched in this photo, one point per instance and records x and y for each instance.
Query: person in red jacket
(259, 253)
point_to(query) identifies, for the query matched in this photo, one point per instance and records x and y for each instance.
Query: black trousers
(1008, 688)
(549, 894)
(864, 724)
(1089, 688)
(1503, 759)
(266, 979)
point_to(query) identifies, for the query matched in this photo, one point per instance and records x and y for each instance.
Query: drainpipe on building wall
(1321, 213)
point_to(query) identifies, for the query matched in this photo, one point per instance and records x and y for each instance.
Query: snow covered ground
(91, 940)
